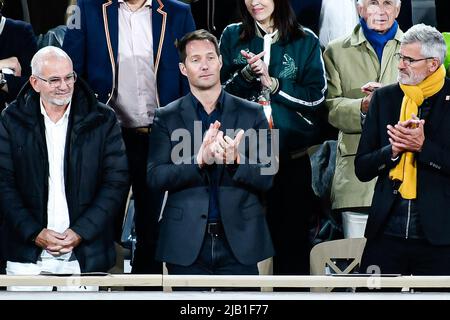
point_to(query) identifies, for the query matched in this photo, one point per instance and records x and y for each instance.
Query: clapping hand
(227, 148)
(217, 148)
(407, 136)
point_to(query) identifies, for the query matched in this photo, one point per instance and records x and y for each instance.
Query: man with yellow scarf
(406, 144)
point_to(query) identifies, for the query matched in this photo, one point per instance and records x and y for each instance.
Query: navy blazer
(373, 159)
(94, 47)
(16, 40)
(184, 219)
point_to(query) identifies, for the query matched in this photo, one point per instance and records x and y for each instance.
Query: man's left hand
(71, 241)
(230, 147)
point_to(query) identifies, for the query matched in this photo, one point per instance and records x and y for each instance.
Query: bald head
(46, 56)
(53, 77)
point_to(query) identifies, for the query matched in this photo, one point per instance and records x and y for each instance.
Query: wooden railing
(127, 280)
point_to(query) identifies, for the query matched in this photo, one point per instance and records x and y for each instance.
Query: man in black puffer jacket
(63, 174)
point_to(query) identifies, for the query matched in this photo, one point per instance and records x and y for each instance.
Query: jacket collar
(84, 107)
(159, 21)
(228, 118)
(111, 24)
(110, 11)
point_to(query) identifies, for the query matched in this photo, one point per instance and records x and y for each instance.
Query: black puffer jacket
(96, 177)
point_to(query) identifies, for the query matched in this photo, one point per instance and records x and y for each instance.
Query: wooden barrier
(129, 280)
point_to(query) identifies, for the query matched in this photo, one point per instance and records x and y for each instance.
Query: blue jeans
(215, 258)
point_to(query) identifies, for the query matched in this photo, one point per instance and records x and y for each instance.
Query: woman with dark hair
(269, 54)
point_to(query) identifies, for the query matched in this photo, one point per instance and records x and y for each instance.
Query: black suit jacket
(16, 40)
(373, 159)
(184, 219)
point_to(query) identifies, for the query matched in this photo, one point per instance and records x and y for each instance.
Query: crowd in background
(326, 61)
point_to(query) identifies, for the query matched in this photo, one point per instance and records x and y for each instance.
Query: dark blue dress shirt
(213, 170)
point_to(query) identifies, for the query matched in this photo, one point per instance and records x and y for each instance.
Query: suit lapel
(111, 25)
(189, 117)
(159, 20)
(439, 109)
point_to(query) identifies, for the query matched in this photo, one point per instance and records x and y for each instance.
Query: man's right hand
(369, 88)
(13, 64)
(206, 153)
(51, 241)
(365, 103)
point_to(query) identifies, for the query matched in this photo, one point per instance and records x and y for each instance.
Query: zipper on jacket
(409, 218)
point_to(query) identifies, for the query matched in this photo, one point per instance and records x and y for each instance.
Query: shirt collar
(147, 3)
(219, 105)
(64, 117)
(260, 32)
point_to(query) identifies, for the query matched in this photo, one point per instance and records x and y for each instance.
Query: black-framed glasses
(56, 82)
(408, 60)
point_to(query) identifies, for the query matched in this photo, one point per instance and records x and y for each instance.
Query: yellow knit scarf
(406, 170)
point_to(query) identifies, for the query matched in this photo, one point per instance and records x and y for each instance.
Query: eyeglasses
(408, 60)
(55, 82)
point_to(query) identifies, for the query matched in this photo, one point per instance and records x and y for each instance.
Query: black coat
(183, 223)
(95, 175)
(373, 159)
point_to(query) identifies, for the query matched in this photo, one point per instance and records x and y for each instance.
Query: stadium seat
(336, 257)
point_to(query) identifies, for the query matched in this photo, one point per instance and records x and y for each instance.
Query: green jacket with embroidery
(299, 68)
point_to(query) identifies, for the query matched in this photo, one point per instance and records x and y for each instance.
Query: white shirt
(135, 99)
(57, 210)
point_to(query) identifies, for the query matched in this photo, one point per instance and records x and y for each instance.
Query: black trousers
(146, 204)
(394, 255)
(289, 211)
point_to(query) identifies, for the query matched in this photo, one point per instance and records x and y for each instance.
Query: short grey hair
(432, 42)
(46, 53)
(361, 2)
